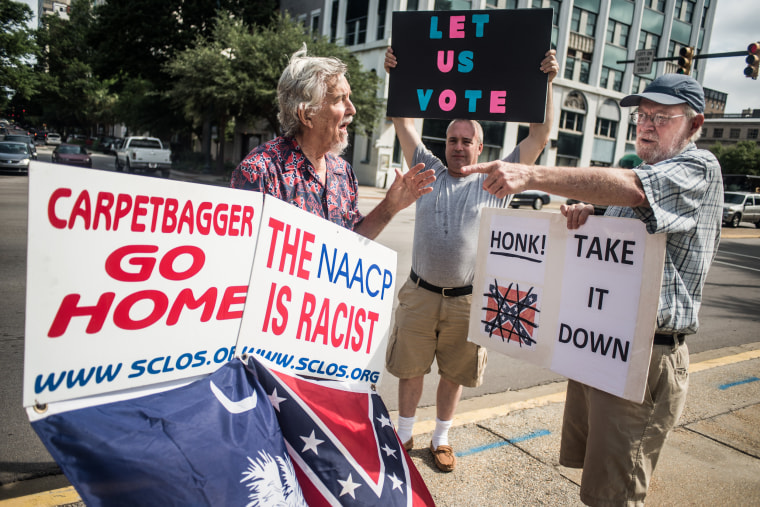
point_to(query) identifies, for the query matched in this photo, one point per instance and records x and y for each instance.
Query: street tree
(17, 53)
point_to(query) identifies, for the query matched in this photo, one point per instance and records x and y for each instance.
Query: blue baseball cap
(671, 89)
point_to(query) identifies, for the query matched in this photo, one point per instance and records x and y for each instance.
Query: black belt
(667, 338)
(447, 292)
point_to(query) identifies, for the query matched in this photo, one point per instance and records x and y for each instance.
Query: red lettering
(247, 221)
(234, 295)
(337, 340)
(123, 205)
(234, 218)
(58, 193)
(282, 296)
(146, 264)
(170, 216)
(186, 299)
(204, 218)
(69, 309)
(220, 219)
(140, 210)
(322, 322)
(123, 320)
(103, 208)
(81, 209)
(166, 267)
(276, 227)
(156, 202)
(187, 218)
(307, 310)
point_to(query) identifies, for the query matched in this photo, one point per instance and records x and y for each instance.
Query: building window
(315, 22)
(606, 128)
(752, 133)
(617, 33)
(571, 121)
(657, 5)
(452, 5)
(356, 22)
(583, 21)
(382, 7)
(578, 65)
(334, 20)
(734, 133)
(412, 5)
(684, 10)
(611, 79)
(649, 41)
(631, 134)
(718, 133)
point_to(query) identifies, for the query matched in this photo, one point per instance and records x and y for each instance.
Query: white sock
(441, 433)
(404, 429)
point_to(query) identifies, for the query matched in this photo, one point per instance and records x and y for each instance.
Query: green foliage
(743, 158)
(235, 72)
(17, 51)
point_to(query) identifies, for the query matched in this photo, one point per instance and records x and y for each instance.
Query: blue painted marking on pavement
(740, 382)
(529, 436)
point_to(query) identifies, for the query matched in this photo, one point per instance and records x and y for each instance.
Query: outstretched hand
(503, 178)
(576, 214)
(407, 188)
(549, 64)
(390, 60)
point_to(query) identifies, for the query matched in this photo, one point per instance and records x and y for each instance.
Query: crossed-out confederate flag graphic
(342, 443)
(511, 313)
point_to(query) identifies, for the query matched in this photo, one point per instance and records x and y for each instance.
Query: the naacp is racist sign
(323, 299)
(482, 65)
(133, 282)
(581, 302)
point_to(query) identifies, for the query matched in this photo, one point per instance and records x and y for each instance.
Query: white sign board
(323, 299)
(131, 281)
(581, 302)
(642, 63)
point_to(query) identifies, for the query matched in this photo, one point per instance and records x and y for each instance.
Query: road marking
(510, 441)
(738, 383)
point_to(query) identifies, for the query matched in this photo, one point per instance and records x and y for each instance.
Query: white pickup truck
(143, 154)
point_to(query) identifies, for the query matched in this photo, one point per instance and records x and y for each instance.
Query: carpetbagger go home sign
(482, 65)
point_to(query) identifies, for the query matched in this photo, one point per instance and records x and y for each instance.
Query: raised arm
(531, 146)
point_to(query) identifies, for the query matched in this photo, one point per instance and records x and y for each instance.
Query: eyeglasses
(658, 119)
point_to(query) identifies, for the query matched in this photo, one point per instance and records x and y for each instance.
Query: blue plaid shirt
(686, 198)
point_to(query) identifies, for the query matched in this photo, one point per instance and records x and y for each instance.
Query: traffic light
(684, 61)
(753, 60)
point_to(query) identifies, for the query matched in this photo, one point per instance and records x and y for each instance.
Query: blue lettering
(465, 61)
(435, 33)
(424, 96)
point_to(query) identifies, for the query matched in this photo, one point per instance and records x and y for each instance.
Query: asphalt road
(729, 317)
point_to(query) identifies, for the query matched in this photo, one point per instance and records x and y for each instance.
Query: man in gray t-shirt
(432, 318)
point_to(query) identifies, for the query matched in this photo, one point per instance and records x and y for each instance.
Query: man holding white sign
(304, 168)
(433, 314)
(676, 191)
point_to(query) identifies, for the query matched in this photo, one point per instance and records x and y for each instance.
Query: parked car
(599, 209)
(741, 207)
(143, 154)
(14, 156)
(53, 138)
(72, 154)
(534, 198)
(23, 138)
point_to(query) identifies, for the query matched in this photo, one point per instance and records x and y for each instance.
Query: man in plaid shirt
(676, 191)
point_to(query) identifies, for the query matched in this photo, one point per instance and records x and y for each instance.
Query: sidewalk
(507, 445)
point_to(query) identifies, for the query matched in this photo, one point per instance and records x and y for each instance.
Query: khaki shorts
(429, 326)
(617, 442)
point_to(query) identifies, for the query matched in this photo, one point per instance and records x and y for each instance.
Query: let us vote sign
(482, 65)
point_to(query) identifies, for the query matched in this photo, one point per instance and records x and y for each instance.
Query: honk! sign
(483, 65)
(135, 282)
(581, 302)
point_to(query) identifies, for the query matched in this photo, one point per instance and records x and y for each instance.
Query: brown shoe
(444, 457)
(409, 444)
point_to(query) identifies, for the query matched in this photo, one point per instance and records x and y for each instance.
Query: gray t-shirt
(447, 221)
